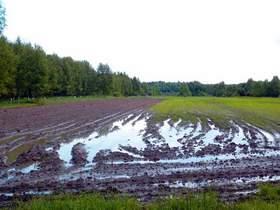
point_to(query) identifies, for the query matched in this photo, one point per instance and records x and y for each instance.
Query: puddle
(130, 132)
(175, 154)
(31, 192)
(28, 169)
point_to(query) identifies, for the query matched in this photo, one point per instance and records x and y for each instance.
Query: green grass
(262, 112)
(268, 198)
(191, 202)
(12, 155)
(82, 202)
(24, 102)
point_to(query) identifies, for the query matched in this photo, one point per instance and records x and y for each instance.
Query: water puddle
(119, 134)
(134, 146)
(131, 133)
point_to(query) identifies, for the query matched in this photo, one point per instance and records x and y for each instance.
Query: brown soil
(120, 171)
(59, 122)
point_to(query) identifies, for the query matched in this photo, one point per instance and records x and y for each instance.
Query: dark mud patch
(79, 154)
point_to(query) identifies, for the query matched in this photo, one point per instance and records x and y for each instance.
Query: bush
(40, 101)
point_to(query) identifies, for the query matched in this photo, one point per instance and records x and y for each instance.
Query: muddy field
(116, 146)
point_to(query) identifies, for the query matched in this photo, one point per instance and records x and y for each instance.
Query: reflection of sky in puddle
(171, 133)
(130, 132)
(28, 169)
(270, 138)
(217, 182)
(239, 137)
(11, 172)
(31, 192)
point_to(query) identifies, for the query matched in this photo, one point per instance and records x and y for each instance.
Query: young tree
(55, 75)
(184, 90)
(136, 86)
(32, 72)
(155, 90)
(104, 79)
(249, 87)
(274, 87)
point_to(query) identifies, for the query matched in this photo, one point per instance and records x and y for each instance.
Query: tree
(104, 79)
(249, 87)
(136, 86)
(155, 91)
(274, 87)
(184, 90)
(55, 75)
(7, 69)
(32, 72)
(258, 89)
(2, 18)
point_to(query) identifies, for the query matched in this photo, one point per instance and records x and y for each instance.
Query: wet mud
(126, 151)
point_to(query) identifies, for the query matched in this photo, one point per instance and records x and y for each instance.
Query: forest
(250, 88)
(27, 71)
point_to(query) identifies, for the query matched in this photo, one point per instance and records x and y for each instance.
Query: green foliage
(184, 90)
(274, 87)
(82, 202)
(122, 85)
(40, 101)
(27, 71)
(7, 69)
(192, 202)
(155, 91)
(104, 79)
(250, 88)
(32, 72)
(268, 198)
(269, 192)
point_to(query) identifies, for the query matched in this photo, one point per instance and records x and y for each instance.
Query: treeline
(27, 71)
(250, 88)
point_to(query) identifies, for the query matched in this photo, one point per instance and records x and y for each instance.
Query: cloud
(209, 41)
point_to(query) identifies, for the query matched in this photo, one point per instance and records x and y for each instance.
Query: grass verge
(25, 102)
(268, 198)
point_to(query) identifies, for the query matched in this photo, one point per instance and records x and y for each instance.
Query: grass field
(268, 198)
(262, 112)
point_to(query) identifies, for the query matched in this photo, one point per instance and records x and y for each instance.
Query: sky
(168, 40)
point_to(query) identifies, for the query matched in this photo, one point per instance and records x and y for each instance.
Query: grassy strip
(25, 102)
(268, 198)
(262, 112)
(83, 202)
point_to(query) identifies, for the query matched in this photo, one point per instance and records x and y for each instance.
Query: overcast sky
(171, 40)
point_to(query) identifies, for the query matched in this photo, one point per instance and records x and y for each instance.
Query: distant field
(262, 112)
(24, 102)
